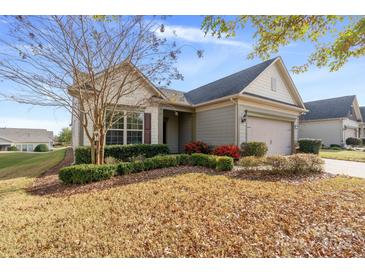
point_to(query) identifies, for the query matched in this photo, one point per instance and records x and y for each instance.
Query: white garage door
(276, 134)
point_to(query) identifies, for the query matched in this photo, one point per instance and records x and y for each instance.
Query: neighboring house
(332, 120)
(260, 103)
(25, 139)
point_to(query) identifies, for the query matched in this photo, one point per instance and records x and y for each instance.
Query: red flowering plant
(227, 150)
(197, 147)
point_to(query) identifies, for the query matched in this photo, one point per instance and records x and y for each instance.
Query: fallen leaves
(190, 215)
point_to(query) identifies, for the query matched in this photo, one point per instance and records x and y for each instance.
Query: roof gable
(118, 70)
(286, 91)
(340, 107)
(229, 85)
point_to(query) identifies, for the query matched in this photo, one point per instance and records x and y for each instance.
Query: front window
(115, 135)
(134, 128)
(127, 129)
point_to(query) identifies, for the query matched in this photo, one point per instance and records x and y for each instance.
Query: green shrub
(258, 149)
(352, 141)
(206, 160)
(122, 152)
(149, 164)
(124, 168)
(252, 161)
(310, 145)
(41, 148)
(224, 163)
(183, 159)
(162, 161)
(296, 164)
(335, 145)
(12, 148)
(137, 166)
(81, 174)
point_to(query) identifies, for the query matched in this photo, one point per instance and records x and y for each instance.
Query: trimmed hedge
(206, 160)
(310, 145)
(86, 173)
(41, 148)
(352, 141)
(258, 149)
(224, 163)
(122, 152)
(12, 148)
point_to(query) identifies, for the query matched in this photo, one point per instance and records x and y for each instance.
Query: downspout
(236, 121)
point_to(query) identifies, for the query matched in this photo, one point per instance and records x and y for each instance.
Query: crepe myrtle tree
(85, 64)
(336, 38)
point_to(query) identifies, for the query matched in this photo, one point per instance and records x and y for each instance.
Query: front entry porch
(176, 129)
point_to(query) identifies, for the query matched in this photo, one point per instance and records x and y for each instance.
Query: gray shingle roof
(175, 95)
(26, 135)
(229, 85)
(339, 107)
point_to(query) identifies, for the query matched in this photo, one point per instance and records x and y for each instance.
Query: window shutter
(147, 128)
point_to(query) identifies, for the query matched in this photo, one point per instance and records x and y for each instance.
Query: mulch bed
(49, 183)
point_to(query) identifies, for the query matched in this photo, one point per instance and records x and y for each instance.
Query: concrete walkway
(354, 169)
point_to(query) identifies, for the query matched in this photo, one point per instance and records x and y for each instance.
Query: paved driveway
(350, 168)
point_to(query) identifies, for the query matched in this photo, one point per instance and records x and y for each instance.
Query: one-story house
(260, 103)
(333, 120)
(25, 139)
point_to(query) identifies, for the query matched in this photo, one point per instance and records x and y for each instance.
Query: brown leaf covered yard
(189, 215)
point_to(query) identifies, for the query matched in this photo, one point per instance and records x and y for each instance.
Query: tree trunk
(102, 147)
(92, 151)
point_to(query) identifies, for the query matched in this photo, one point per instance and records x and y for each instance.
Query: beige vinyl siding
(351, 128)
(330, 132)
(185, 129)
(216, 126)
(262, 85)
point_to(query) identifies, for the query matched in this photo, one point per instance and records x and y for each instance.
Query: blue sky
(221, 58)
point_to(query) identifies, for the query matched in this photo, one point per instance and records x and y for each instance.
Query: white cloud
(196, 35)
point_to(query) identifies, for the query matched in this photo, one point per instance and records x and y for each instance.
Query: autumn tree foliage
(345, 36)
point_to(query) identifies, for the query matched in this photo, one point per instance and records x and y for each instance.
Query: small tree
(65, 136)
(85, 64)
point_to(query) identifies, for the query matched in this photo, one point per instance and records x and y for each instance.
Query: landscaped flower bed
(85, 173)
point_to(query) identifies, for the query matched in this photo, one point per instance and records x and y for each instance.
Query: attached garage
(276, 134)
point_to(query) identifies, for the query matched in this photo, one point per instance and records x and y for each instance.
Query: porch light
(176, 113)
(244, 117)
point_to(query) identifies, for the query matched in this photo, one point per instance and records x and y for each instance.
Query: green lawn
(22, 164)
(358, 156)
